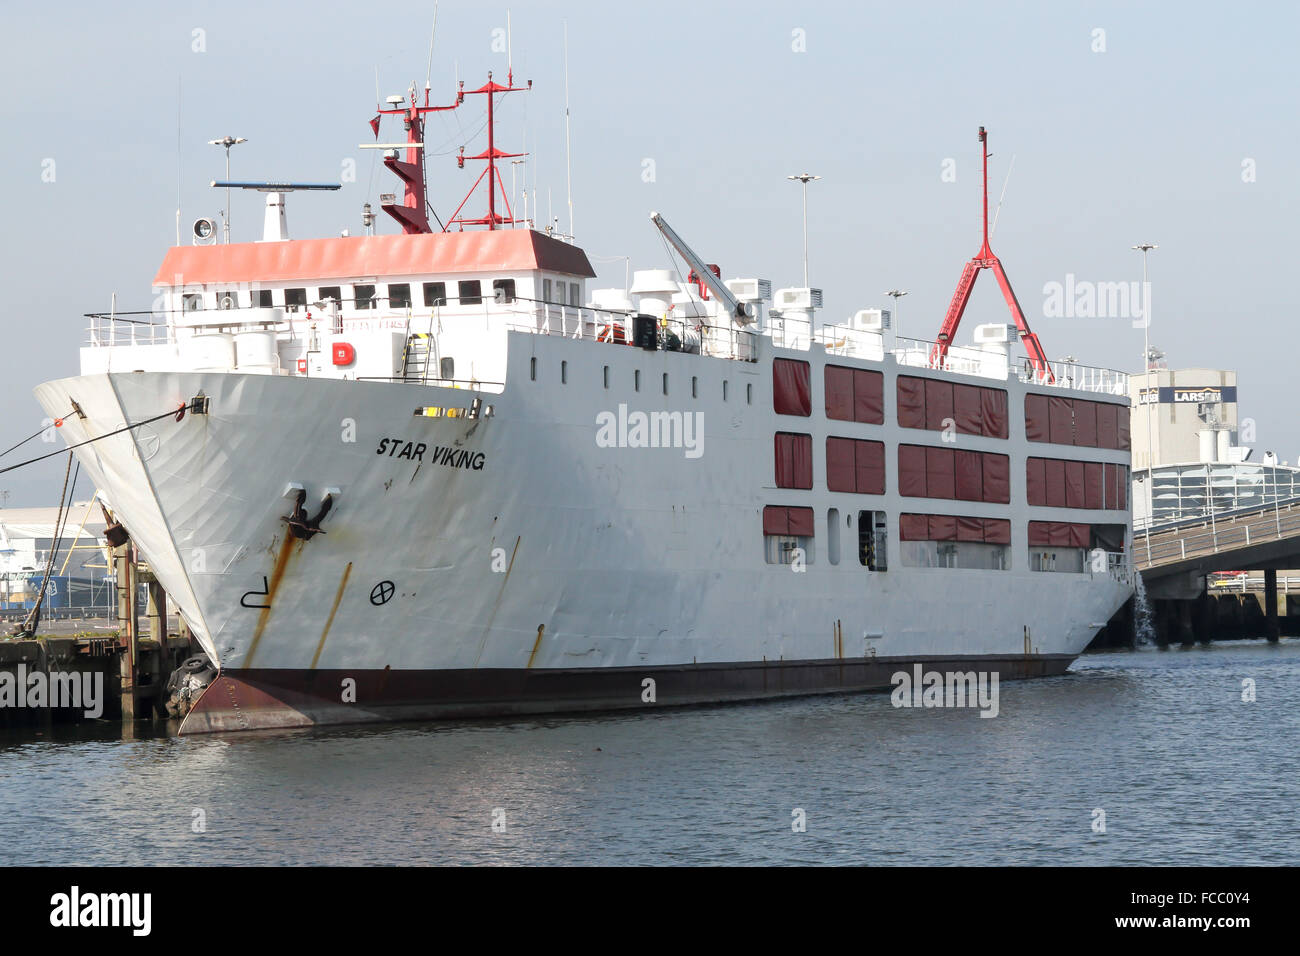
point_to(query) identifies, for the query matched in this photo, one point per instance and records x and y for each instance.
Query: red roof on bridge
(362, 257)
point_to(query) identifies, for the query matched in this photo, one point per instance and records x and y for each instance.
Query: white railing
(617, 328)
(1087, 378)
(960, 360)
(1119, 566)
(848, 341)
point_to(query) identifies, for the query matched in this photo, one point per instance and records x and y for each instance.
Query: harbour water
(1185, 770)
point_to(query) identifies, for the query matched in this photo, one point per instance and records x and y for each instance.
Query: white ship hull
(555, 575)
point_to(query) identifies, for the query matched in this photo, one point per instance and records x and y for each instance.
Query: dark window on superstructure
(636, 379)
(399, 295)
(606, 376)
(873, 535)
(262, 299)
(327, 292)
(363, 296)
(503, 291)
(469, 292)
(546, 290)
(435, 294)
(227, 300)
(192, 302)
(855, 395)
(574, 295)
(295, 299)
(791, 387)
(564, 373)
(793, 456)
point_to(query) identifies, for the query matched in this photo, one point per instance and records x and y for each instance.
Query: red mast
(413, 213)
(491, 155)
(985, 259)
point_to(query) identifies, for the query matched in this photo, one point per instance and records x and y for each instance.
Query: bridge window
(228, 300)
(262, 298)
(787, 535)
(363, 296)
(399, 295)
(327, 292)
(295, 299)
(435, 294)
(470, 292)
(546, 290)
(503, 291)
(192, 302)
(575, 297)
(954, 541)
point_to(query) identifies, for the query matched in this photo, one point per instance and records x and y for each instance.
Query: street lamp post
(1145, 248)
(897, 294)
(805, 178)
(227, 142)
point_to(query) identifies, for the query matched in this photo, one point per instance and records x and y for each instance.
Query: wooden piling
(1271, 629)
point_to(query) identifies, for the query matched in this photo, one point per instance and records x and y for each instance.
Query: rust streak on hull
(329, 622)
(277, 575)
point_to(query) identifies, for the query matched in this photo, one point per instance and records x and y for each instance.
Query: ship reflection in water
(1162, 741)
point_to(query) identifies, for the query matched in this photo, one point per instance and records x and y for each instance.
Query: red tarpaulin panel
(840, 471)
(870, 467)
(1092, 484)
(911, 402)
(1107, 425)
(791, 387)
(1040, 534)
(1121, 481)
(993, 412)
(1110, 483)
(938, 403)
(1060, 420)
(776, 519)
(839, 393)
(939, 481)
(913, 527)
(970, 529)
(968, 473)
(793, 460)
(997, 477)
(1035, 482)
(1085, 423)
(943, 528)
(1074, 484)
(911, 470)
(801, 521)
(1080, 535)
(1054, 482)
(967, 409)
(868, 397)
(1123, 414)
(1036, 418)
(997, 531)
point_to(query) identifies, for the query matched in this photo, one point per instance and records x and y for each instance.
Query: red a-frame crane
(985, 259)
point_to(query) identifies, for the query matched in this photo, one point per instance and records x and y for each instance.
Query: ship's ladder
(415, 357)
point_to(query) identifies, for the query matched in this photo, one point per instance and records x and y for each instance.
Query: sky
(1110, 124)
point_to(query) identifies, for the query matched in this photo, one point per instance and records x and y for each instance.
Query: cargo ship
(437, 473)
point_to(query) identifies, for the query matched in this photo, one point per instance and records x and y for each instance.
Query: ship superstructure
(435, 473)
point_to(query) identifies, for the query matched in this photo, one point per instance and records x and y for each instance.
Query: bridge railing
(1215, 535)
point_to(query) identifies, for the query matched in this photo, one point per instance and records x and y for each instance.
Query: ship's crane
(734, 307)
(985, 259)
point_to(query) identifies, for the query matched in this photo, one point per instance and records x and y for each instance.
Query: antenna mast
(413, 214)
(568, 147)
(490, 155)
(985, 259)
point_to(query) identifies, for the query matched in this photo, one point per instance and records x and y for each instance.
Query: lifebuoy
(612, 333)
